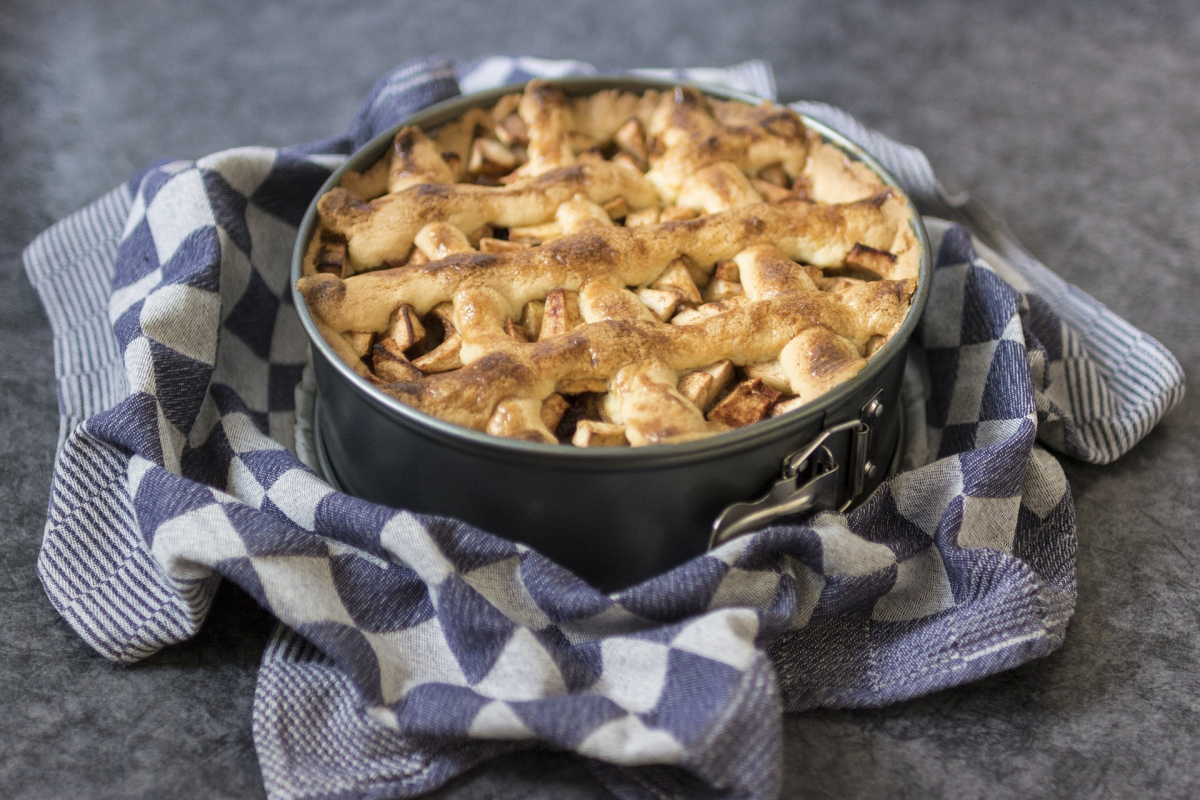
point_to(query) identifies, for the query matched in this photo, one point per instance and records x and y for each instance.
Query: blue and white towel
(412, 648)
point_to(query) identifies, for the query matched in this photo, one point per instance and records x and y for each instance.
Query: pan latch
(813, 479)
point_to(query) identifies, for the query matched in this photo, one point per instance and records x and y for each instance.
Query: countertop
(1078, 123)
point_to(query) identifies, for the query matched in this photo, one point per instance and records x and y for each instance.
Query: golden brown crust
(532, 292)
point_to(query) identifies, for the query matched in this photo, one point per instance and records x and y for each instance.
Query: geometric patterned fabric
(412, 648)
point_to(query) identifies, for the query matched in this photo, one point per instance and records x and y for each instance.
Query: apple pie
(615, 269)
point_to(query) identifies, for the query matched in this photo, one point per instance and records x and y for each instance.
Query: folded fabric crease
(412, 648)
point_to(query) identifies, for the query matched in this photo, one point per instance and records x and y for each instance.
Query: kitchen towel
(412, 648)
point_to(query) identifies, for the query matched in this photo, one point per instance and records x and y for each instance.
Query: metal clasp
(811, 480)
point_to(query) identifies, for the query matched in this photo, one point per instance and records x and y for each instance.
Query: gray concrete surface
(1079, 123)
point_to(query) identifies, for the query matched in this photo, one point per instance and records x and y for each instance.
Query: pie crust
(614, 269)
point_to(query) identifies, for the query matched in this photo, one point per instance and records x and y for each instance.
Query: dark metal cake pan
(614, 516)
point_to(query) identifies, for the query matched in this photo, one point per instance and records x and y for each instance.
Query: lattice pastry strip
(575, 326)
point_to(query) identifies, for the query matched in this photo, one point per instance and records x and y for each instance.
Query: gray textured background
(1078, 123)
